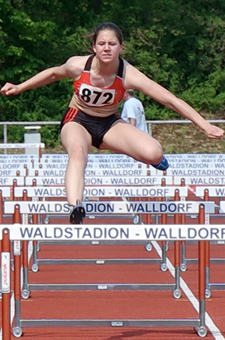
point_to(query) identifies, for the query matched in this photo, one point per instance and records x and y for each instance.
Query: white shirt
(133, 108)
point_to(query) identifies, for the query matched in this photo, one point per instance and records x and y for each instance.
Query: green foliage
(177, 43)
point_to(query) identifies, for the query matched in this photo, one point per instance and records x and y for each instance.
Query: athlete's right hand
(10, 89)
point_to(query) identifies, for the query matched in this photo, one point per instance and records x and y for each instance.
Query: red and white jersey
(97, 101)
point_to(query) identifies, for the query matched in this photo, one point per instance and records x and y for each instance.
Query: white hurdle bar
(111, 207)
(103, 191)
(115, 232)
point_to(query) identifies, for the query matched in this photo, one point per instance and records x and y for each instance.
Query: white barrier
(13, 172)
(41, 191)
(145, 180)
(21, 145)
(6, 191)
(184, 165)
(124, 232)
(46, 171)
(200, 180)
(10, 180)
(222, 207)
(111, 207)
(213, 191)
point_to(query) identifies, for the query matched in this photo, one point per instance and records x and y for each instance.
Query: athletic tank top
(97, 101)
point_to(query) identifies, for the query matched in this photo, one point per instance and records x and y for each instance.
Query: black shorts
(96, 126)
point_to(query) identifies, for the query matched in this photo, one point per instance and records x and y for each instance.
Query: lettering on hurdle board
(146, 180)
(214, 191)
(12, 166)
(12, 172)
(111, 207)
(200, 180)
(126, 232)
(49, 170)
(110, 166)
(21, 145)
(41, 191)
(10, 180)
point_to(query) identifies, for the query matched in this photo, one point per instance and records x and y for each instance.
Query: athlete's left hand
(214, 132)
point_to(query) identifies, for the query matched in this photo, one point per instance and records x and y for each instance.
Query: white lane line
(209, 322)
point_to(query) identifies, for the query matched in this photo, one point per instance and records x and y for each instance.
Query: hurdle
(189, 182)
(42, 191)
(206, 193)
(56, 207)
(15, 146)
(172, 232)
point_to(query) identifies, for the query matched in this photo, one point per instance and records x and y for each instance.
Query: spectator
(133, 111)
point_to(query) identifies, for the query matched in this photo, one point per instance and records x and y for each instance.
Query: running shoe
(163, 165)
(77, 213)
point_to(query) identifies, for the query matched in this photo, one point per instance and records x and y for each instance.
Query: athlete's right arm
(45, 77)
(42, 78)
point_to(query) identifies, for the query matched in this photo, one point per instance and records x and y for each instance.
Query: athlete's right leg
(77, 142)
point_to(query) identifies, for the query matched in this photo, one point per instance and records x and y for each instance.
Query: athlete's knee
(77, 153)
(155, 153)
(158, 160)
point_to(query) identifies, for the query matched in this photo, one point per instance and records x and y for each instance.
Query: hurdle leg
(17, 330)
(34, 266)
(201, 276)
(0, 271)
(207, 270)
(148, 218)
(1, 221)
(5, 278)
(201, 330)
(183, 265)
(177, 290)
(164, 246)
(25, 289)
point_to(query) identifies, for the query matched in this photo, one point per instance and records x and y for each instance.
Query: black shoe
(77, 214)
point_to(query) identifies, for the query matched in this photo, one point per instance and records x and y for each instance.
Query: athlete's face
(107, 46)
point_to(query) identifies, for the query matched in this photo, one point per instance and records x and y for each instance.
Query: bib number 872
(95, 96)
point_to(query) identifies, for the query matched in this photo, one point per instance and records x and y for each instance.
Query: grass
(186, 138)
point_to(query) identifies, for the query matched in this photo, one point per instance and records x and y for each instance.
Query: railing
(149, 124)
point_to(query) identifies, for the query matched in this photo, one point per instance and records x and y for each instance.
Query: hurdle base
(102, 286)
(110, 323)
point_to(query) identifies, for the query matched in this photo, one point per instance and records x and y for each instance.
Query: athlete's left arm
(135, 79)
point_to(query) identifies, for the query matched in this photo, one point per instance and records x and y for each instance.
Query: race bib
(95, 96)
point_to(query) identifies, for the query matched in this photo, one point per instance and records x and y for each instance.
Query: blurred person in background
(133, 111)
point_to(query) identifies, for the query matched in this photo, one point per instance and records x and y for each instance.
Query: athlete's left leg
(127, 139)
